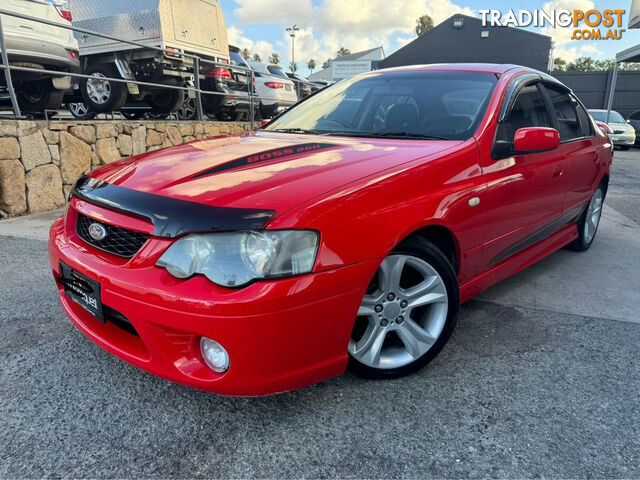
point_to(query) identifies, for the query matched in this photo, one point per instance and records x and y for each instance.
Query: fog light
(214, 355)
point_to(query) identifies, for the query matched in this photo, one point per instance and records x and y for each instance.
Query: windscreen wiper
(417, 136)
(295, 130)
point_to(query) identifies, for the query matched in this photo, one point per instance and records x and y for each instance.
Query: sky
(327, 25)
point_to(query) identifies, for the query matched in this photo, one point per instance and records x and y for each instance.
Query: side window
(635, 116)
(529, 110)
(565, 112)
(585, 121)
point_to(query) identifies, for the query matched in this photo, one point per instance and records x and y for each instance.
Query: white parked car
(622, 134)
(276, 91)
(36, 45)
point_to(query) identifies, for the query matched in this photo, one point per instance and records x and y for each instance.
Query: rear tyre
(103, 95)
(166, 102)
(80, 111)
(408, 312)
(38, 96)
(588, 222)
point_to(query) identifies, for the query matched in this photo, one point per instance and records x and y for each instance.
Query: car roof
(461, 67)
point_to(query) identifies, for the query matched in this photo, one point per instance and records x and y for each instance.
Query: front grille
(118, 241)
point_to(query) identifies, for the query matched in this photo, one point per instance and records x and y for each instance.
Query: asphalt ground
(540, 379)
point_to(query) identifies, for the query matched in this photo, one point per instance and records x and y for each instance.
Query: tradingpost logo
(587, 24)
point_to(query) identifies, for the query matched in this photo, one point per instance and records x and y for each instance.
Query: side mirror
(535, 139)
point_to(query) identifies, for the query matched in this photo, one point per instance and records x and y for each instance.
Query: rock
(161, 127)
(52, 138)
(119, 128)
(95, 161)
(125, 145)
(3, 214)
(75, 157)
(212, 129)
(198, 128)
(153, 138)
(154, 148)
(26, 127)
(189, 138)
(13, 199)
(138, 135)
(186, 129)
(127, 129)
(66, 189)
(107, 150)
(174, 135)
(8, 129)
(9, 148)
(86, 133)
(165, 141)
(44, 189)
(106, 130)
(61, 127)
(34, 151)
(55, 154)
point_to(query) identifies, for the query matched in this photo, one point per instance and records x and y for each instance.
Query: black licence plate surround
(82, 290)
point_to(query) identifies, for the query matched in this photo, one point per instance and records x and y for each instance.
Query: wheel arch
(443, 238)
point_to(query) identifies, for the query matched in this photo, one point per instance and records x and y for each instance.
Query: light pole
(292, 33)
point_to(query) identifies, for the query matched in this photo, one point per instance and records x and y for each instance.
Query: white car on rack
(276, 91)
(40, 46)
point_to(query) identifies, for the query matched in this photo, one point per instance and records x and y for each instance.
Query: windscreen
(278, 72)
(615, 117)
(420, 104)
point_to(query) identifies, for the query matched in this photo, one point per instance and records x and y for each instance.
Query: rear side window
(635, 116)
(566, 114)
(585, 121)
(529, 110)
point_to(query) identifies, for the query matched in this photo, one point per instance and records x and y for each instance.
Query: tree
(257, 57)
(274, 58)
(245, 53)
(293, 67)
(326, 64)
(311, 65)
(343, 51)
(423, 25)
(559, 64)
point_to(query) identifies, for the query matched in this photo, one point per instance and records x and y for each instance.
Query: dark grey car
(634, 120)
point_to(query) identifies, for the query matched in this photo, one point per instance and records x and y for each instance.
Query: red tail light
(66, 14)
(219, 72)
(73, 54)
(170, 53)
(605, 127)
(274, 84)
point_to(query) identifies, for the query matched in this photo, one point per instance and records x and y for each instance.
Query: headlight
(233, 259)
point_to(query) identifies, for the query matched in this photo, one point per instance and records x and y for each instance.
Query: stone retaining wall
(40, 161)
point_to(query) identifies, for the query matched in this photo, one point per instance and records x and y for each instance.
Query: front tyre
(589, 222)
(408, 312)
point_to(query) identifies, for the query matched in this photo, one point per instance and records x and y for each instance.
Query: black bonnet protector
(170, 217)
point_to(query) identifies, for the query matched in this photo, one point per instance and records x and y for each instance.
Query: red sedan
(342, 235)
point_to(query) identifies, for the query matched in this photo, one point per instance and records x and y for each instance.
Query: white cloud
(353, 24)
(261, 47)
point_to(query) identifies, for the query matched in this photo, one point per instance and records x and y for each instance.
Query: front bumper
(623, 139)
(280, 335)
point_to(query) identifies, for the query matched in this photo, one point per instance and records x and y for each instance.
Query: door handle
(558, 172)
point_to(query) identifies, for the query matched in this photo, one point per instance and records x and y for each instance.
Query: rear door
(525, 193)
(578, 147)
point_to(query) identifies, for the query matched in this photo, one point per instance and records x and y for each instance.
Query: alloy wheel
(592, 219)
(402, 314)
(79, 109)
(98, 90)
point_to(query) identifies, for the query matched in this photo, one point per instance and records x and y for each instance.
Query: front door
(525, 193)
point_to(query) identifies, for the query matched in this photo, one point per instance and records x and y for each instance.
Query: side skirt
(518, 262)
